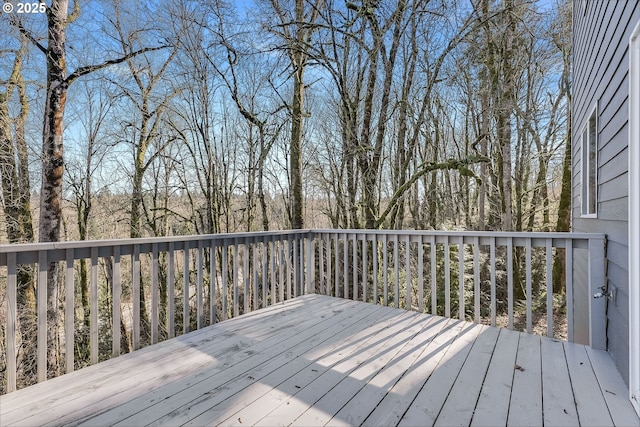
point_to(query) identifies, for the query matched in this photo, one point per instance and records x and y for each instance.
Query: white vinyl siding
(601, 78)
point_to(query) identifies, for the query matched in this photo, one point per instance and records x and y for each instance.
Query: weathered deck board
(398, 399)
(558, 406)
(426, 406)
(493, 403)
(590, 403)
(525, 408)
(612, 388)
(458, 409)
(318, 360)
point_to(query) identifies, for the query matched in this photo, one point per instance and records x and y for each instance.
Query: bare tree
(58, 81)
(296, 29)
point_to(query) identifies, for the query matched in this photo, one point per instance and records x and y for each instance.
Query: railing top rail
(515, 234)
(30, 247)
(72, 244)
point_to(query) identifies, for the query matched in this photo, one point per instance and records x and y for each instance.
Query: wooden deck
(318, 360)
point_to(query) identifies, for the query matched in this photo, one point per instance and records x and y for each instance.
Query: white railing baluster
(254, 274)
(407, 270)
(510, 280)
(354, 266)
(345, 265)
(171, 291)
(186, 284)
(93, 307)
(281, 281)
(69, 313)
(336, 253)
(374, 246)
(289, 262)
(155, 272)
(272, 269)
(296, 266)
(321, 266)
(310, 265)
(236, 302)
(434, 284)
(213, 282)
(396, 272)
(549, 260)
(301, 253)
(42, 315)
(529, 295)
(568, 274)
(492, 262)
(245, 275)
(264, 246)
(385, 270)
(225, 279)
(12, 321)
(476, 279)
(117, 295)
(365, 269)
(447, 278)
(461, 301)
(325, 262)
(420, 275)
(199, 286)
(301, 263)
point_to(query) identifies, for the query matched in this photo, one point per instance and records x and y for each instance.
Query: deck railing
(459, 273)
(141, 291)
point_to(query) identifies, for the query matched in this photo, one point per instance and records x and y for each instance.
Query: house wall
(601, 32)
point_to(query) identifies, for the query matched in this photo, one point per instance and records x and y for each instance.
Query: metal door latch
(603, 292)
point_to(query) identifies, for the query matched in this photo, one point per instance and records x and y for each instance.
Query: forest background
(204, 117)
(133, 119)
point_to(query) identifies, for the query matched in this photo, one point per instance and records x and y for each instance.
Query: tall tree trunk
(485, 87)
(504, 119)
(261, 194)
(53, 162)
(295, 160)
(297, 35)
(135, 231)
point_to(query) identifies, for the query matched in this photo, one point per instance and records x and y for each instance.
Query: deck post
(597, 306)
